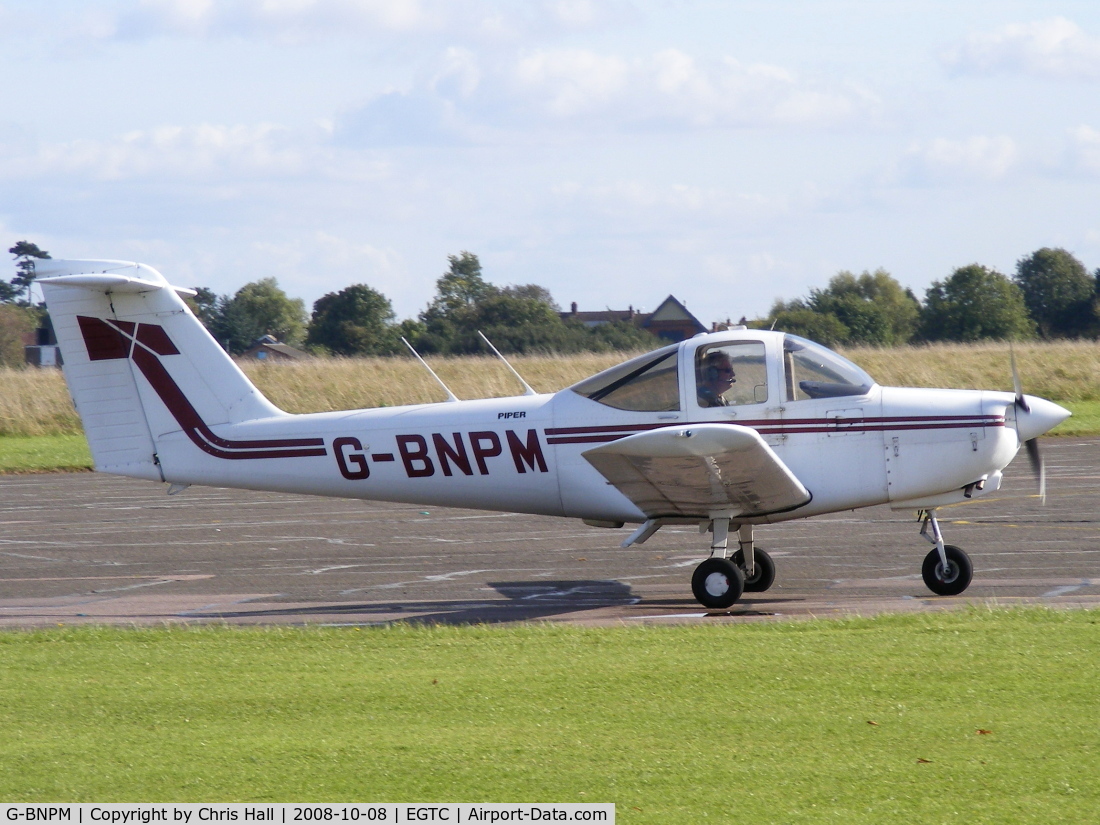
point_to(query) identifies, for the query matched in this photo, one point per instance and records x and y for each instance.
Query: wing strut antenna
(526, 386)
(450, 395)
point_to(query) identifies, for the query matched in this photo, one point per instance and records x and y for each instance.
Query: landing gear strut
(947, 569)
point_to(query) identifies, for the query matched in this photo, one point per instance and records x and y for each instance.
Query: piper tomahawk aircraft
(727, 430)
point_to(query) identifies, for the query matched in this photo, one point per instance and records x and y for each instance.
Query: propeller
(1032, 444)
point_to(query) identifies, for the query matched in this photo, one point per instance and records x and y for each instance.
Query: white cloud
(979, 157)
(570, 82)
(470, 98)
(286, 20)
(1055, 47)
(301, 20)
(297, 261)
(638, 201)
(672, 89)
(1085, 149)
(204, 152)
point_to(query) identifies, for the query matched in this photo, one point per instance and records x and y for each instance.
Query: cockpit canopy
(727, 370)
(648, 383)
(813, 371)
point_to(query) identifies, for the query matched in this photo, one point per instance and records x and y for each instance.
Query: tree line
(1051, 295)
(359, 320)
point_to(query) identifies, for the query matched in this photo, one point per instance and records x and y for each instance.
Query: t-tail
(145, 374)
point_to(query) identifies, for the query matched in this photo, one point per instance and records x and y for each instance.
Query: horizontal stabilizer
(700, 471)
(104, 276)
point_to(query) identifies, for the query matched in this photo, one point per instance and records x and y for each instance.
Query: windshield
(649, 383)
(813, 371)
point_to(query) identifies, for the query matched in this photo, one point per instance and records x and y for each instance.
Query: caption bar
(190, 813)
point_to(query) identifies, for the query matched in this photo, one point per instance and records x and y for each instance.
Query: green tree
(618, 336)
(357, 320)
(871, 308)
(204, 303)
(460, 287)
(975, 303)
(257, 309)
(1058, 292)
(26, 253)
(15, 323)
(797, 318)
(876, 309)
(517, 319)
(534, 292)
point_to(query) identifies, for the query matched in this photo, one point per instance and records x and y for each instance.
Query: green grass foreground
(44, 453)
(979, 716)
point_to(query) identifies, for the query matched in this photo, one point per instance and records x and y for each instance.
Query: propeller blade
(1021, 401)
(1038, 467)
(1032, 444)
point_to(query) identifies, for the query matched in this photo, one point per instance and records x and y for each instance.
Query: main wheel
(763, 574)
(952, 581)
(717, 583)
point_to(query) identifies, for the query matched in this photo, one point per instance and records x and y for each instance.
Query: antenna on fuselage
(450, 395)
(526, 386)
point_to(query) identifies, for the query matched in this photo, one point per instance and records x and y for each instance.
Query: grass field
(986, 716)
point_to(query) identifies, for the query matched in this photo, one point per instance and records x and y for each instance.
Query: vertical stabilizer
(139, 364)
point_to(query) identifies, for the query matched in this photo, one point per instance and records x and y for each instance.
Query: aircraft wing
(699, 470)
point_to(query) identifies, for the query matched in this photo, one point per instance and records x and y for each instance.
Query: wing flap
(699, 471)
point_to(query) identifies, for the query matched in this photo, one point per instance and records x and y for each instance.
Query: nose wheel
(952, 579)
(947, 570)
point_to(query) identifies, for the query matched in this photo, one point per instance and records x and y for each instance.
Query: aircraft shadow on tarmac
(524, 601)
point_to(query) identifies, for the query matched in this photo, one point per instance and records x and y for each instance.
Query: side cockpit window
(813, 371)
(731, 374)
(649, 383)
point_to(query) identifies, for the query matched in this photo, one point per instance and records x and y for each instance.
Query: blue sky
(729, 153)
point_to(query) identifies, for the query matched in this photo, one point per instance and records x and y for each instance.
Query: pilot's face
(724, 376)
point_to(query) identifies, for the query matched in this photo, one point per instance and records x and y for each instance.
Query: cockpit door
(735, 382)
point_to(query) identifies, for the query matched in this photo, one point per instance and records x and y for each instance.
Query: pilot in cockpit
(716, 376)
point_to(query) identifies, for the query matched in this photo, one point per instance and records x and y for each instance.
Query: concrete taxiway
(89, 548)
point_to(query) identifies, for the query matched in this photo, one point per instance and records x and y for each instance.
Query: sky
(614, 151)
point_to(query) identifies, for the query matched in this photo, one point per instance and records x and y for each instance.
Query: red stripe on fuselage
(603, 435)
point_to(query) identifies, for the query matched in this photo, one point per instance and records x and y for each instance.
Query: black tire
(717, 583)
(763, 574)
(955, 579)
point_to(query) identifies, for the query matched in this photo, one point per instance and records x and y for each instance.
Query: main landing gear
(719, 581)
(947, 569)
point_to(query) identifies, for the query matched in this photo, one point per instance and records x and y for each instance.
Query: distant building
(40, 347)
(268, 348)
(671, 321)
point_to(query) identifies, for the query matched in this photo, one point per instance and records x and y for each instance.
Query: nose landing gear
(947, 569)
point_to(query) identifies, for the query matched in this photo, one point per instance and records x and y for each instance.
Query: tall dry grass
(36, 402)
(1059, 370)
(351, 383)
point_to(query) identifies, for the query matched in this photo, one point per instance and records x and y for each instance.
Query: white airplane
(727, 431)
